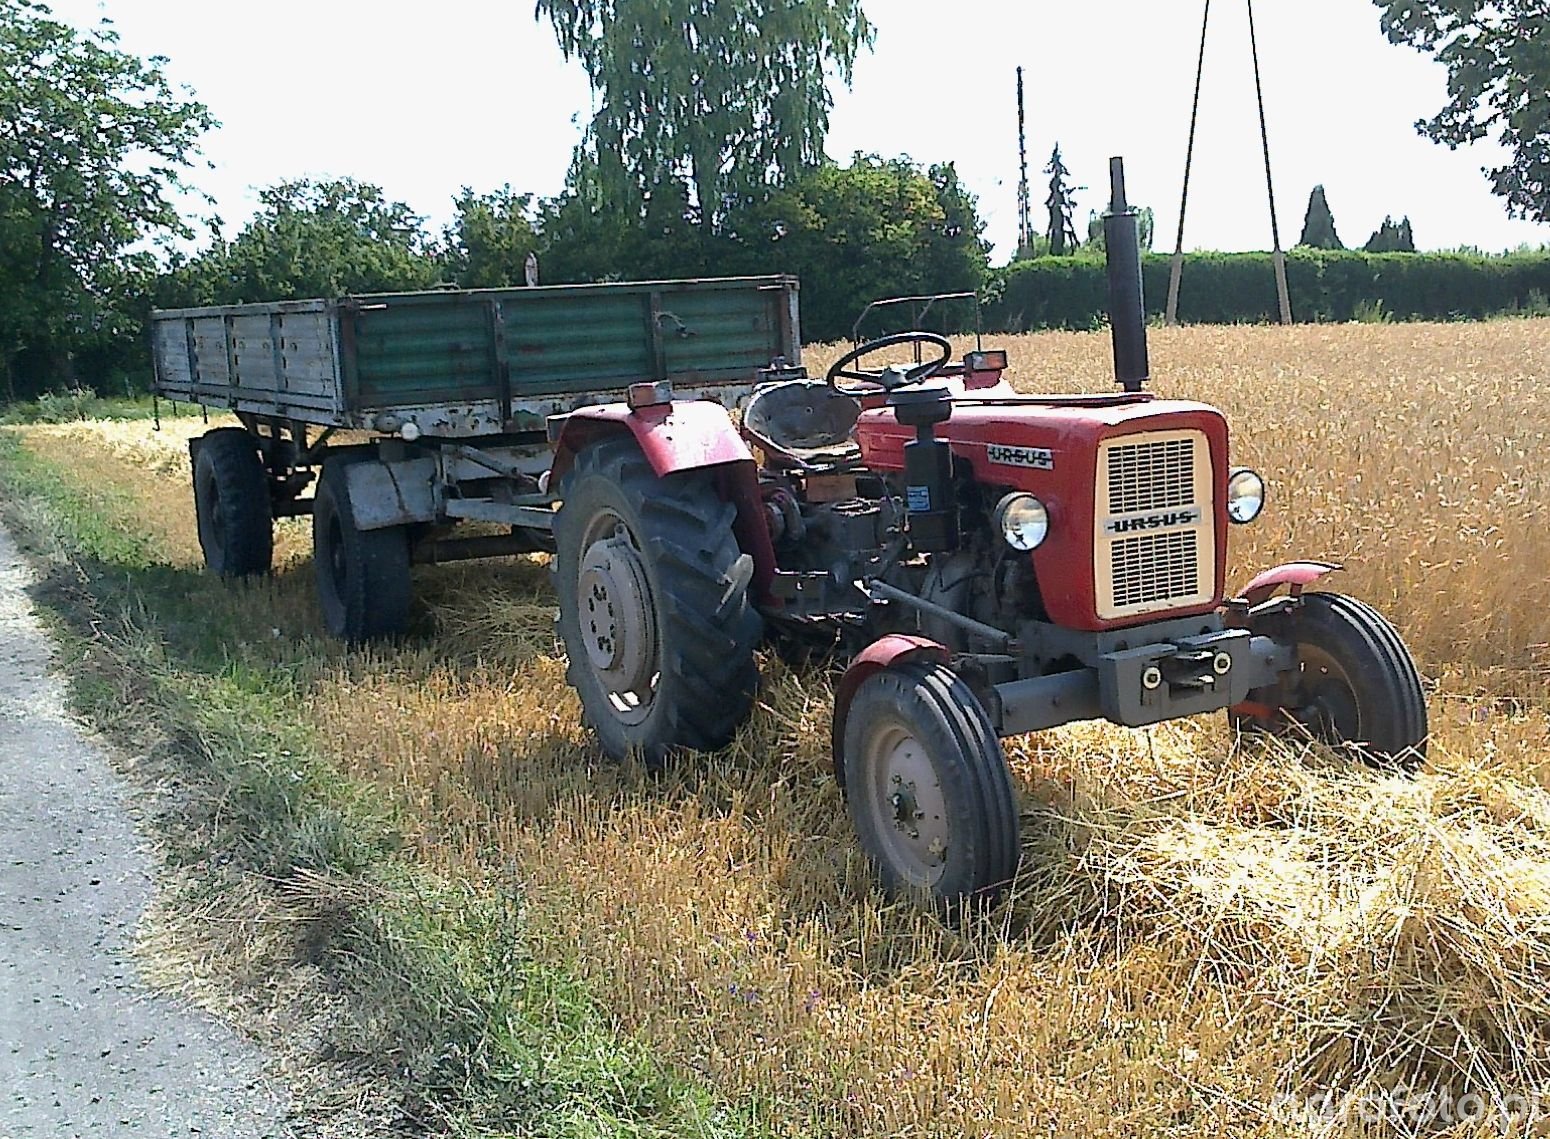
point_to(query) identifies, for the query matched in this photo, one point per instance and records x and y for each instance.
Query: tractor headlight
(1023, 521)
(1245, 495)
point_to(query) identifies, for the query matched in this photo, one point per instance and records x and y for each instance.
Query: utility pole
(1024, 205)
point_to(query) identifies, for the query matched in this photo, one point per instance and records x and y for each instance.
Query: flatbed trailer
(480, 381)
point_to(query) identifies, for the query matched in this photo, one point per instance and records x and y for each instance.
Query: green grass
(282, 868)
(79, 404)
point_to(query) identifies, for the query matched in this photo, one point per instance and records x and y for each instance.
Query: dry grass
(1199, 927)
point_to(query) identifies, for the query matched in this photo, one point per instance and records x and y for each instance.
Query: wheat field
(1207, 935)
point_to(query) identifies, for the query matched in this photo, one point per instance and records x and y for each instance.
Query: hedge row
(1239, 288)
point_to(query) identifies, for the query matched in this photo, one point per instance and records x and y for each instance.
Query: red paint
(1072, 428)
(894, 648)
(1296, 575)
(682, 436)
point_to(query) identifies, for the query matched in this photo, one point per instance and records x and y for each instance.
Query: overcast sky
(426, 98)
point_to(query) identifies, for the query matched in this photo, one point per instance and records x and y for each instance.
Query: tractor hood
(1124, 477)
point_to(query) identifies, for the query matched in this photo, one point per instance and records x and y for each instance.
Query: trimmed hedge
(1239, 288)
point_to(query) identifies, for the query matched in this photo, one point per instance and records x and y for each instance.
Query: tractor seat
(804, 424)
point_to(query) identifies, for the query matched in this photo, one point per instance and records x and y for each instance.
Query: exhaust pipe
(1127, 308)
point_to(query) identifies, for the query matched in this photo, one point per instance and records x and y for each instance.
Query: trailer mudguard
(894, 648)
(680, 436)
(1294, 575)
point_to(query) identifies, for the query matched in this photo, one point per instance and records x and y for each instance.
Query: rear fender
(1294, 575)
(686, 435)
(681, 436)
(895, 648)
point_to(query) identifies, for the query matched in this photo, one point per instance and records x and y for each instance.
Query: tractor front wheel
(928, 788)
(1355, 685)
(654, 609)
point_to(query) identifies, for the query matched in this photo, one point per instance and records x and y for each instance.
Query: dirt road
(86, 1049)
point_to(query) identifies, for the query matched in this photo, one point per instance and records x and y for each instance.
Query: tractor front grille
(1154, 540)
(1151, 476)
(1155, 567)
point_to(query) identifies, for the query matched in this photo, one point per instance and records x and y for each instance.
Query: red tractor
(989, 563)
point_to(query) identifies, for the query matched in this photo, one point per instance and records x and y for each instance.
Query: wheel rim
(1324, 701)
(617, 615)
(903, 797)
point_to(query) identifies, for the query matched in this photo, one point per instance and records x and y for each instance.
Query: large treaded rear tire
(362, 576)
(231, 503)
(1356, 685)
(922, 765)
(650, 566)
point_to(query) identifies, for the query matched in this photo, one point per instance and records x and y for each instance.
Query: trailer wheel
(231, 503)
(927, 787)
(654, 607)
(1355, 685)
(362, 575)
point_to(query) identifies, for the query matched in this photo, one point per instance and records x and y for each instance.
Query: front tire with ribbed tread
(928, 789)
(1355, 685)
(658, 627)
(231, 503)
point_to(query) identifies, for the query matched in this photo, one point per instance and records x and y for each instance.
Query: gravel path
(86, 1049)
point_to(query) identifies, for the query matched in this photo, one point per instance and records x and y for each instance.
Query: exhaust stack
(1127, 308)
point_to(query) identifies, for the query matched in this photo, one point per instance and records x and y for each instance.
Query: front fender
(894, 648)
(1294, 575)
(680, 436)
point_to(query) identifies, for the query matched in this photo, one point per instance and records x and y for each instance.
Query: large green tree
(727, 96)
(94, 147)
(316, 239)
(488, 243)
(1497, 53)
(853, 234)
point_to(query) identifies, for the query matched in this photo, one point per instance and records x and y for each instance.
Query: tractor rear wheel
(362, 575)
(231, 503)
(928, 788)
(654, 608)
(1355, 685)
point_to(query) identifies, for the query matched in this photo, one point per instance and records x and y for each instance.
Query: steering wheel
(894, 375)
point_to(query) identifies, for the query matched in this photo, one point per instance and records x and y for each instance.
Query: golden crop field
(1207, 935)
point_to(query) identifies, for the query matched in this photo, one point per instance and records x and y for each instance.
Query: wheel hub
(618, 619)
(911, 810)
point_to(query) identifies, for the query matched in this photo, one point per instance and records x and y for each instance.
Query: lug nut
(1151, 677)
(1221, 664)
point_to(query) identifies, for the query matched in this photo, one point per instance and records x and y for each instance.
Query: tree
(854, 234)
(94, 143)
(1391, 238)
(488, 243)
(1318, 224)
(1061, 204)
(1497, 53)
(730, 97)
(321, 239)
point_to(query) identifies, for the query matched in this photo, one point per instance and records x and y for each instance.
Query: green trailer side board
(476, 361)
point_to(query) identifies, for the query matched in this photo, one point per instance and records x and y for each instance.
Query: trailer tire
(928, 789)
(1355, 686)
(362, 576)
(231, 503)
(658, 628)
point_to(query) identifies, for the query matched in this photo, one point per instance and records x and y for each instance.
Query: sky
(426, 99)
